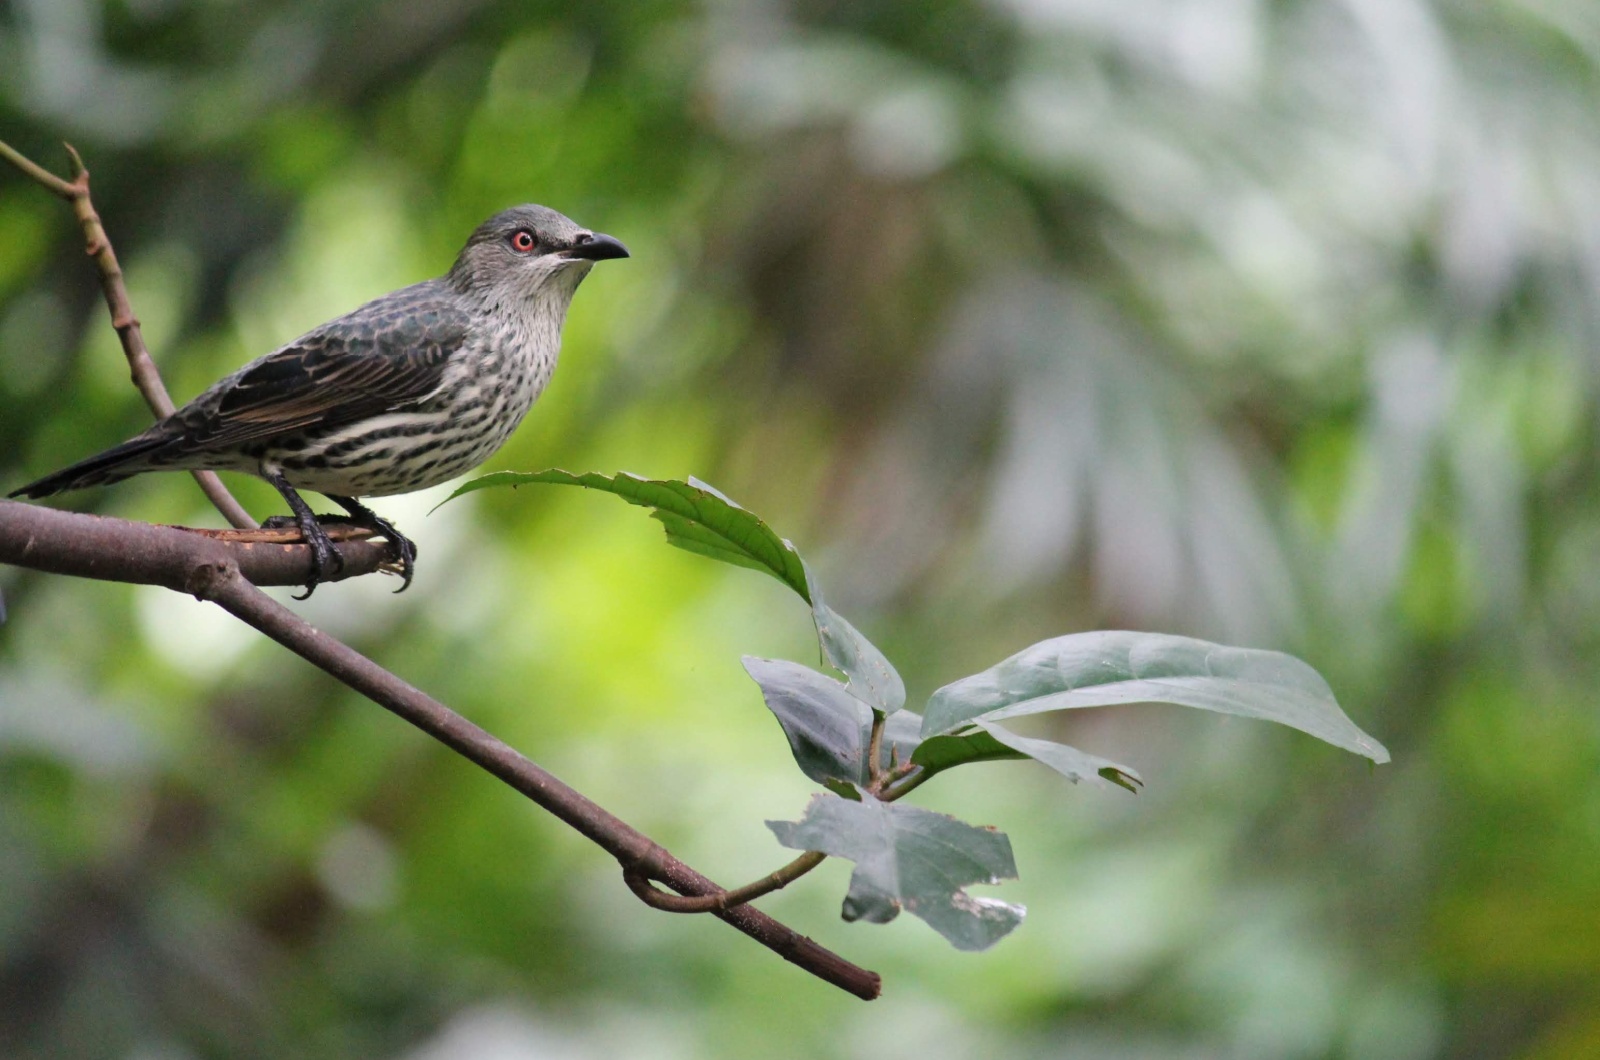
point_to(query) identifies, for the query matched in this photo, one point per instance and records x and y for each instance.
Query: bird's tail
(113, 465)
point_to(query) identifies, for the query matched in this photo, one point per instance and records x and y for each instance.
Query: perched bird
(406, 392)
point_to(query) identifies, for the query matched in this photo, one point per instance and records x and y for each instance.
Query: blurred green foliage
(1272, 324)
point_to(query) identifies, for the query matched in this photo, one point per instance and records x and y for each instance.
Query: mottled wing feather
(382, 356)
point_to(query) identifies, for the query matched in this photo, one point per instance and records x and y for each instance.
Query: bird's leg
(366, 518)
(325, 555)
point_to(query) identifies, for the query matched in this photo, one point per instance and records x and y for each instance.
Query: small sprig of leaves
(856, 739)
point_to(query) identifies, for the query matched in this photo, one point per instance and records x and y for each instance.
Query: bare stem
(639, 882)
(142, 368)
(37, 173)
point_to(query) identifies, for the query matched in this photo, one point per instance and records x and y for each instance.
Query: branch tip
(80, 172)
(37, 173)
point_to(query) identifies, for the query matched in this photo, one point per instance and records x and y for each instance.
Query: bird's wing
(383, 355)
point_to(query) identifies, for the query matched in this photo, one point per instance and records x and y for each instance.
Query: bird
(407, 391)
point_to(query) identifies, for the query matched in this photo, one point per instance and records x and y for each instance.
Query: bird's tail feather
(113, 465)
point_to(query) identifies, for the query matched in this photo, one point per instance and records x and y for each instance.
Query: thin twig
(98, 246)
(640, 884)
(37, 173)
(221, 571)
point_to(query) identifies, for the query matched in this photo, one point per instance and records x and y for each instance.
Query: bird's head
(529, 252)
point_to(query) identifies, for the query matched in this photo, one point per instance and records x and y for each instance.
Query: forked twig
(98, 246)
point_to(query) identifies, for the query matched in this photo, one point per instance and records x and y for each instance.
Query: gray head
(527, 251)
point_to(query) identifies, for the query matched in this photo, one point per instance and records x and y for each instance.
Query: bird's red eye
(522, 241)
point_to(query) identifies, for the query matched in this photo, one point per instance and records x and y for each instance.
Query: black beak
(596, 247)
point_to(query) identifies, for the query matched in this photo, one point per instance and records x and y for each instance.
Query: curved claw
(408, 557)
(324, 554)
(404, 549)
(326, 558)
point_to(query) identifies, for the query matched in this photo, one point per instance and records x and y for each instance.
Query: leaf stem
(875, 772)
(896, 785)
(638, 881)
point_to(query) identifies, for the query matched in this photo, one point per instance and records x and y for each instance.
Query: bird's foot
(405, 550)
(326, 559)
(324, 553)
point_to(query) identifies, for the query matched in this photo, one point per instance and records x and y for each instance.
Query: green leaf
(948, 750)
(991, 743)
(697, 518)
(700, 519)
(829, 731)
(902, 734)
(871, 678)
(1070, 762)
(827, 727)
(1104, 668)
(915, 859)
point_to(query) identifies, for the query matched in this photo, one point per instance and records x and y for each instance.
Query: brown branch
(222, 571)
(96, 546)
(98, 246)
(280, 535)
(640, 884)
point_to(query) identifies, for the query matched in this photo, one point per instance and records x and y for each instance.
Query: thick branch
(98, 246)
(95, 546)
(221, 571)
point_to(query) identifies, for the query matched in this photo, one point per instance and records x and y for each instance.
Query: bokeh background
(1268, 322)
